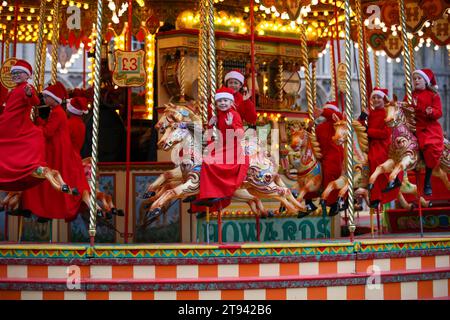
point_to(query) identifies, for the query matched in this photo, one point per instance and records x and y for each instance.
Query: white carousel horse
(262, 179)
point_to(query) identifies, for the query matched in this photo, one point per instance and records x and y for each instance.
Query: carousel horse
(105, 205)
(361, 162)
(261, 181)
(304, 154)
(361, 166)
(404, 152)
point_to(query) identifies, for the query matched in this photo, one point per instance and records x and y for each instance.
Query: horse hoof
(189, 199)
(109, 215)
(114, 211)
(295, 193)
(148, 194)
(323, 202)
(75, 192)
(270, 214)
(427, 190)
(65, 188)
(282, 209)
(370, 186)
(301, 214)
(20, 212)
(99, 213)
(155, 213)
(120, 213)
(42, 220)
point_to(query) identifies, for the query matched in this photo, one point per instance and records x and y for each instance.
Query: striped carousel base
(334, 269)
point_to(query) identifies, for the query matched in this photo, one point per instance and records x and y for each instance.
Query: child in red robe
(42, 200)
(224, 170)
(428, 107)
(380, 137)
(244, 105)
(76, 108)
(22, 144)
(332, 154)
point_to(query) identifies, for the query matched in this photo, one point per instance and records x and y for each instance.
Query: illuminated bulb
(427, 24)
(397, 60)
(366, 22)
(389, 60)
(394, 33)
(4, 3)
(416, 49)
(436, 48)
(385, 29)
(112, 6)
(428, 44)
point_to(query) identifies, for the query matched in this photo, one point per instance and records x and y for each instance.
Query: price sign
(341, 71)
(129, 69)
(5, 73)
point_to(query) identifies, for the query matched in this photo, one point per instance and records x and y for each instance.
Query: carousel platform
(391, 267)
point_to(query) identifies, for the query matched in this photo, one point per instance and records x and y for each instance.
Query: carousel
(315, 215)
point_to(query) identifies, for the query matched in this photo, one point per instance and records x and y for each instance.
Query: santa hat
(235, 74)
(428, 75)
(381, 92)
(224, 93)
(22, 65)
(78, 106)
(57, 91)
(331, 105)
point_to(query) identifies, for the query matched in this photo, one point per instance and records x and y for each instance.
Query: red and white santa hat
(78, 106)
(428, 75)
(235, 74)
(57, 91)
(382, 92)
(22, 65)
(224, 93)
(331, 105)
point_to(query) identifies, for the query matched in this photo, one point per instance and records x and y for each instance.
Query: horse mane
(409, 115)
(315, 145)
(361, 134)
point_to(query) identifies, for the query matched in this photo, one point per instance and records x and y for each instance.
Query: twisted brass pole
(349, 118)
(305, 63)
(362, 56)
(314, 82)
(43, 64)
(7, 41)
(376, 62)
(280, 80)
(96, 111)
(406, 56)
(55, 40)
(333, 79)
(38, 51)
(203, 63)
(219, 72)
(212, 56)
(182, 75)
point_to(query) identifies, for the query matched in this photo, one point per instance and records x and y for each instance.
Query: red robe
(77, 130)
(332, 154)
(246, 108)
(380, 137)
(22, 144)
(222, 179)
(3, 95)
(43, 200)
(428, 129)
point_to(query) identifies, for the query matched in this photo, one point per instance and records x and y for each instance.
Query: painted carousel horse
(361, 168)
(12, 200)
(361, 162)
(105, 204)
(404, 151)
(305, 154)
(261, 181)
